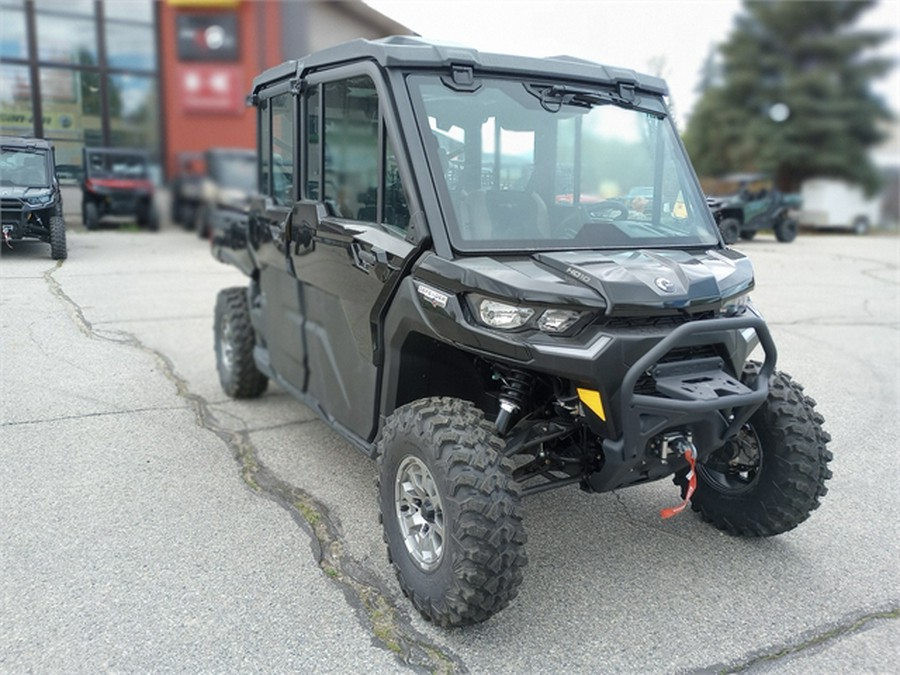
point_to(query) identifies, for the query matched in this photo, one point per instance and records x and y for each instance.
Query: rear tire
(450, 510)
(769, 478)
(58, 248)
(235, 340)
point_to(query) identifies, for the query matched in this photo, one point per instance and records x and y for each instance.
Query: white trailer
(832, 203)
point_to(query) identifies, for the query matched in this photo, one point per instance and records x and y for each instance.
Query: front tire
(786, 230)
(730, 229)
(770, 477)
(91, 216)
(451, 511)
(58, 248)
(235, 340)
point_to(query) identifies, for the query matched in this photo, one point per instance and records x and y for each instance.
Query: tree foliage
(809, 57)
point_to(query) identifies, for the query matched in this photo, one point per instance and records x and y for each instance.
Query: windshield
(24, 168)
(117, 165)
(237, 171)
(537, 166)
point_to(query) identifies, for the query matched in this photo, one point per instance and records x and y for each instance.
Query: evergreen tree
(793, 98)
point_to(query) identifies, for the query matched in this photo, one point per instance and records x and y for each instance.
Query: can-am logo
(664, 285)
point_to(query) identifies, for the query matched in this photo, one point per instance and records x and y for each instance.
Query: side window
(358, 183)
(282, 148)
(351, 148)
(396, 205)
(313, 155)
(265, 147)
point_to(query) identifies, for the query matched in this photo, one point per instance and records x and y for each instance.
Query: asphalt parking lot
(149, 523)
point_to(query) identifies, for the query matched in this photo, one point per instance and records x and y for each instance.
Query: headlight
(503, 316)
(506, 316)
(736, 305)
(558, 320)
(39, 200)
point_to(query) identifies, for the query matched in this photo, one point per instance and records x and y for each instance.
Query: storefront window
(83, 101)
(84, 7)
(16, 110)
(13, 36)
(130, 46)
(129, 10)
(133, 105)
(71, 103)
(65, 39)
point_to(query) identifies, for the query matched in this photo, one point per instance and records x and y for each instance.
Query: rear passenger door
(349, 238)
(270, 218)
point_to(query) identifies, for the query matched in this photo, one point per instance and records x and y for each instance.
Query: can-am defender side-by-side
(117, 183)
(499, 276)
(30, 198)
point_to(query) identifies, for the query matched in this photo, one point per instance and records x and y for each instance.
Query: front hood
(22, 192)
(624, 282)
(655, 280)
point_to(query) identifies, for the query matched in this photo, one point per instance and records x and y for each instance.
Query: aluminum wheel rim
(419, 512)
(226, 346)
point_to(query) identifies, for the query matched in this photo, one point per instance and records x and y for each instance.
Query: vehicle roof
(31, 143)
(414, 52)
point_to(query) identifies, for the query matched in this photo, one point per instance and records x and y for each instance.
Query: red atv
(117, 183)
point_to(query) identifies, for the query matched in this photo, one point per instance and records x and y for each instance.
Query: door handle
(372, 261)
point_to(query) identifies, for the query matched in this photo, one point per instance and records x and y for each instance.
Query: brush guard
(696, 394)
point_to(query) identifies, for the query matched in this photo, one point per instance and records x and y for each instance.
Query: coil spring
(516, 387)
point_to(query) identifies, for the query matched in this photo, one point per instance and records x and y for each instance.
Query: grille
(10, 204)
(667, 321)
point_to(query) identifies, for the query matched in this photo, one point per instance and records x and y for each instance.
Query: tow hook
(683, 446)
(6, 237)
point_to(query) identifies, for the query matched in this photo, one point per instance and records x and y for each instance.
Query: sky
(670, 38)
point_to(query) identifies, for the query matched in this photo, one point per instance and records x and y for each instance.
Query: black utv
(117, 183)
(499, 276)
(30, 199)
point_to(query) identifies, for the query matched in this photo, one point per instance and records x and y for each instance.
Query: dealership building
(170, 76)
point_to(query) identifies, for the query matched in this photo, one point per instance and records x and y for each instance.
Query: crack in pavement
(66, 418)
(390, 627)
(830, 634)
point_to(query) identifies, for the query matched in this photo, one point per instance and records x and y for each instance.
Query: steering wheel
(591, 214)
(608, 209)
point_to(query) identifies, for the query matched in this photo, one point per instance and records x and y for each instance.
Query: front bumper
(21, 220)
(698, 397)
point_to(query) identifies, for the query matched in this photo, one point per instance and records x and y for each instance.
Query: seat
(505, 214)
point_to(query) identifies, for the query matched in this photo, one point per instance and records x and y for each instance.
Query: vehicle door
(348, 238)
(270, 217)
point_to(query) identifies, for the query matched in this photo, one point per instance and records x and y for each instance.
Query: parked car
(486, 342)
(117, 183)
(30, 198)
(748, 203)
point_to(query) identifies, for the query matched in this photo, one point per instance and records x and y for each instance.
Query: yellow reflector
(592, 400)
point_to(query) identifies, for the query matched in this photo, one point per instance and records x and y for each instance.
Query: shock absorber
(513, 395)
